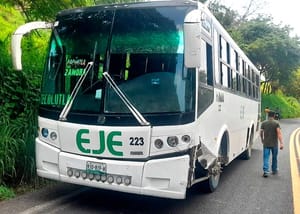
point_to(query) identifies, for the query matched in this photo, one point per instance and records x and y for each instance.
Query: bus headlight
(45, 132)
(158, 143)
(186, 138)
(172, 141)
(49, 135)
(53, 136)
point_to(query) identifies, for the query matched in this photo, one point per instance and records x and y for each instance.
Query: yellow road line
(295, 161)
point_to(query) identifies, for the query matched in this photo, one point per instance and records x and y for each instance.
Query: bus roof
(117, 6)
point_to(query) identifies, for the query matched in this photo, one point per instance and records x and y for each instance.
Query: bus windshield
(141, 49)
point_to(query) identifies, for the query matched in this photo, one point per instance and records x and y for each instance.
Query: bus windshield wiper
(64, 113)
(138, 116)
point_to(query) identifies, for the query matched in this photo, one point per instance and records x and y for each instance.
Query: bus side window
(205, 78)
(206, 69)
(209, 59)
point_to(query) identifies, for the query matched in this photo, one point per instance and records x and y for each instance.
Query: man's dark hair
(271, 114)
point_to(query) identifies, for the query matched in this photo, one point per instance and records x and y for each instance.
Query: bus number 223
(136, 141)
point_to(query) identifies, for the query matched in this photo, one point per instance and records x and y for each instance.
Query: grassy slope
(289, 107)
(10, 19)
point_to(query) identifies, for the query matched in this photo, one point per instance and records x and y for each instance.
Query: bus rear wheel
(246, 155)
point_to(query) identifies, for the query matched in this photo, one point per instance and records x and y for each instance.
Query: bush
(19, 98)
(6, 193)
(18, 125)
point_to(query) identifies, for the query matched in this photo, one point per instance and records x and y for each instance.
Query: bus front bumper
(165, 177)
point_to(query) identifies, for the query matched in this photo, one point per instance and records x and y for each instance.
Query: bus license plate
(96, 167)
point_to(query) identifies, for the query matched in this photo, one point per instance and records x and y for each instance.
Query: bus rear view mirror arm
(17, 38)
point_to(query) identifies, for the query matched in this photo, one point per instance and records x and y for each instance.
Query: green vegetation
(6, 193)
(19, 96)
(269, 46)
(288, 107)
(272, 49)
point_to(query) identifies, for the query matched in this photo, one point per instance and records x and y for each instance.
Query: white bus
(147, 98)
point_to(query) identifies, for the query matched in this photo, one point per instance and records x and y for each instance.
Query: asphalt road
(242, 189)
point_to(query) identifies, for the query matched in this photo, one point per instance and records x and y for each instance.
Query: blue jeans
(267, 151)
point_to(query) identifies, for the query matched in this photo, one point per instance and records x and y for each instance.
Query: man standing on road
(270, 133)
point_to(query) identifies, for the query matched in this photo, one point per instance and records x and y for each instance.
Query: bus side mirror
(17, 38)
(192, 43)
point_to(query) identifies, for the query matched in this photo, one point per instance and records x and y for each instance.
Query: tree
(230, 18)
(226, 16)
(43, 9)
(271, 48)
(294, 89)
(251, 9)
(47, 10)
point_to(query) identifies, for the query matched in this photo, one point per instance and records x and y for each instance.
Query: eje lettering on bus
(82, 143)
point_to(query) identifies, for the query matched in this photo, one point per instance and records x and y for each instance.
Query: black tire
(246, 155)
(211, 184)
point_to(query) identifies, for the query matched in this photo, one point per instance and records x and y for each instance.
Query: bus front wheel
(211, 184)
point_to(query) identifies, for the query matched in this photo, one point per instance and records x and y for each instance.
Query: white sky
(285, 12)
